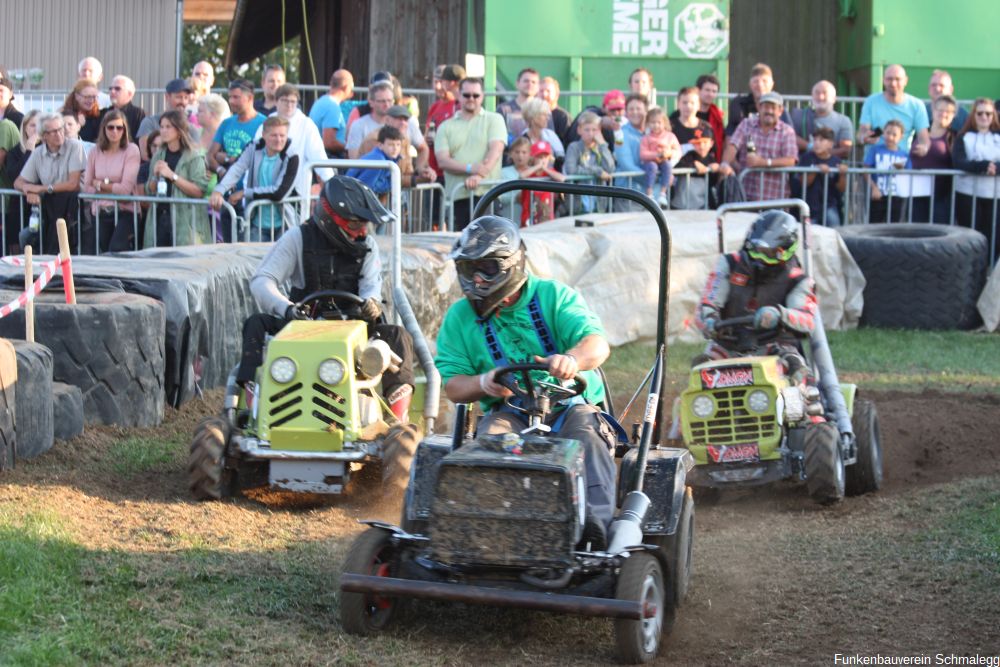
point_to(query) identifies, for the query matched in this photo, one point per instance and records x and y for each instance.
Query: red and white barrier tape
(49, 269)
(13, 260)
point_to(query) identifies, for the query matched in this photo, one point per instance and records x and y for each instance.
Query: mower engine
(509, 500)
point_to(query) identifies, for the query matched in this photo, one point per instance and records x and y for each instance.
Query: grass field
(104, 560)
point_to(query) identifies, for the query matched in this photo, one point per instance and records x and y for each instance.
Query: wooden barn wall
(797, 38)
(411, 37)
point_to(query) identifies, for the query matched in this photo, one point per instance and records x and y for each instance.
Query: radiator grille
(733, 423)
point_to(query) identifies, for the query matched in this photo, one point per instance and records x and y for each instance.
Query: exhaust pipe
(496, 597)
(626, 530)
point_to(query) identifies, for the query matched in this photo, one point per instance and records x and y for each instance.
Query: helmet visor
(772, 255)
(487, 268)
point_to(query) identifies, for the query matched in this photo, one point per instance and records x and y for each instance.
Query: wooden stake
(67, 276)
(29, 310)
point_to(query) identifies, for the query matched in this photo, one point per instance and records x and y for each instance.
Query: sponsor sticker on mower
(729, 376)
(733, 453)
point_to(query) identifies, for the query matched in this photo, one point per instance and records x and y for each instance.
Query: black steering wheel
(346, 304)
(742, 331)
(536, 395)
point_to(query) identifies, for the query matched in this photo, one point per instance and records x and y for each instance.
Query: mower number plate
(733, 453)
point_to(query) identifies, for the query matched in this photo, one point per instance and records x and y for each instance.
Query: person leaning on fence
(590, 156)
(181, 166)
(112, 168)
(977, 152)
(885, 188)
(390, 145)
(822, 193)
(469, 147)
(51, 180)
(266, 170)
(821, 113)
(17, 208)
(942, 139)
(763, 141)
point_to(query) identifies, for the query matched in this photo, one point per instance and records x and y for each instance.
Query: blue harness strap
(545, 337)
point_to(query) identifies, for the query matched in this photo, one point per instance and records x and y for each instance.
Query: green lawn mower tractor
(316, 414)
(498, 519)
(746, 424)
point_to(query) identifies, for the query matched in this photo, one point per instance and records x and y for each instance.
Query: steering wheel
(331, 297)
(741, 330)
(529, 394)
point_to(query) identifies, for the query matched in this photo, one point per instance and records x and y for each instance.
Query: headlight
(703, 406)
(283, 370)
(332, 371)
(758, 401)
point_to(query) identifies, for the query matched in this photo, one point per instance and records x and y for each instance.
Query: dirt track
(760, 557)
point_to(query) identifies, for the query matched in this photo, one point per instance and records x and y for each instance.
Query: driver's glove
(294, 312)
(767, 317)
(371, 309)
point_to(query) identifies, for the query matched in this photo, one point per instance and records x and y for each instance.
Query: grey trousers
(583, 423)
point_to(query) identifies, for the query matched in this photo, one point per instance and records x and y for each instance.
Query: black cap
(179, 86)
(382, 75)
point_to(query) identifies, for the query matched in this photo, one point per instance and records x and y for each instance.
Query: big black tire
(641, 580)
(110, 345)
(208, 476)
(919, 276)
(67, 408)
(865, 475)
(824, 465)
(398, 450)
(8, 403)
(682, 546)
(33, 399)
(371, 554)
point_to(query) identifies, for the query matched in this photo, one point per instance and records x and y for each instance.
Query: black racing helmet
(772, 240)
(346, 206)
(489, 258)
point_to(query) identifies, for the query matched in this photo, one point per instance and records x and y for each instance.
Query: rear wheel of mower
(641, 580)
(208, 478)
(398, 450)
(372, 555)
(865, 475)
(823, 463)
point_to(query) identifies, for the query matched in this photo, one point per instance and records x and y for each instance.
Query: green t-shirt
(9, 136)
(461, 345)
(468, 140)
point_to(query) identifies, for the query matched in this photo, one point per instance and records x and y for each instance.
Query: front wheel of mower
(823, 463)
(371, 554)
(865, 476)
(641, 580)
(398, 450)
(208, 477)
(682, 544)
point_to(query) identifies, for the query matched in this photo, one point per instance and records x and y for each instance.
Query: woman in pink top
(658, 150)
(112, 168)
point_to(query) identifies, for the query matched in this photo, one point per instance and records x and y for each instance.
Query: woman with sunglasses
(977, 152)
(181, 166)
(112, 168)
(82, 103)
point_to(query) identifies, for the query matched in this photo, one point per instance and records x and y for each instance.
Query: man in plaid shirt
(762, 141)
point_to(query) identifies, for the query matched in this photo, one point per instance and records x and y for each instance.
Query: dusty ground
(774, 575)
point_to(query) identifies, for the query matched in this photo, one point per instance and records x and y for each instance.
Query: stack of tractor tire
(919, 276)
(99, 361)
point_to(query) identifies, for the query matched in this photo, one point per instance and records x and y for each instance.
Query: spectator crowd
(245, 153)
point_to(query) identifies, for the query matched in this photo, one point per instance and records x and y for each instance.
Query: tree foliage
(208, 42)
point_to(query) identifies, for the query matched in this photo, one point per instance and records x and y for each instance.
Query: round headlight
(703, 406)
(758, 401)
(332, 371)
(283, 370)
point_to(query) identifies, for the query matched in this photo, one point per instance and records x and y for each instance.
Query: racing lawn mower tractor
(316, 414)
(747, 423)
(499, 519)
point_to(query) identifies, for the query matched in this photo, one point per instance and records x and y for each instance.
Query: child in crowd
(71, 130)
(694, 193)
(390, 145)
(519, 154)
(822, 157)
(539, 206)
(589, 156)
(658, 150)
(888, 155)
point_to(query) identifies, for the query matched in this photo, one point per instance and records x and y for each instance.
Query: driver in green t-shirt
(509, 316)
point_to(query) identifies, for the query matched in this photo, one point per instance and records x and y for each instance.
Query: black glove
(371, 309)
(294, 312)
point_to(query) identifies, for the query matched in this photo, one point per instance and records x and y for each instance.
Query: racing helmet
(346, 207)
(489, 258)
(772, 240)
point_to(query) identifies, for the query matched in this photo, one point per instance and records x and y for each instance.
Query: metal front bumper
(252, 448)
(723, 475)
